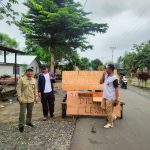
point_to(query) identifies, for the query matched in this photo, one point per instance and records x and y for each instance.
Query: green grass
(139, 83)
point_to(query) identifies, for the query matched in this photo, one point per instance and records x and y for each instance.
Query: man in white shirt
(46, 92)
(110, 93)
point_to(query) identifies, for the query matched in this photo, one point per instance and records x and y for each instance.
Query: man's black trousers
(48, 103)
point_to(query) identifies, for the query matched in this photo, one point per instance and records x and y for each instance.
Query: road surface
(130, 133)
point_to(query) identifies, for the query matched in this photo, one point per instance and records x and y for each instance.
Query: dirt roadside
(10, 112)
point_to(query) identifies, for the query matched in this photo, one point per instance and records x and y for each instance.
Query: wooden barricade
(81, 100)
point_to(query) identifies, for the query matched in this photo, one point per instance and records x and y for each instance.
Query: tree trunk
(52, 59)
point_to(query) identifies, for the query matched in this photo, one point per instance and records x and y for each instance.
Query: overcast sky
(128, 21)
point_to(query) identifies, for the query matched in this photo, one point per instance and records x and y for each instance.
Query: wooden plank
(70, 73)
(97, 99)
(81, 80)
(81, 103)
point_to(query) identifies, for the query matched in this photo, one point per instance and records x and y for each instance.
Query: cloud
(109, 8)
(128, 22)
(125, 29)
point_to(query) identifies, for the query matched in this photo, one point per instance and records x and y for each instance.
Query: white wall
(35, 66)
(6, 69)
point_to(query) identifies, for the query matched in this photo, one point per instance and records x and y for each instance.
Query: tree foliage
(138, 59)
(96, 63)
(5, 40)
(84, 63)
(101, 68)
(6, 10)
(59, 29)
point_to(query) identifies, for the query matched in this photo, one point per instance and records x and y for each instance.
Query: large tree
(58, 27)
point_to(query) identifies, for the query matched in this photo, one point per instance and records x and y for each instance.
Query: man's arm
(103, 78)
(19, 91)
(117, 93)
(35, 93)
(39, 88)
(52, 77)
(115, 83)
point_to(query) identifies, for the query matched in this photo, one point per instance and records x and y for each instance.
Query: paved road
(143, 92)
(131, 133)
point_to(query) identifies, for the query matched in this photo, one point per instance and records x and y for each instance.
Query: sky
(128, 21)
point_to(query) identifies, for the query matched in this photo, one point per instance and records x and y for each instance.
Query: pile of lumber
(7, 80)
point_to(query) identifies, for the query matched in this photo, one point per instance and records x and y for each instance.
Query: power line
(85, 4)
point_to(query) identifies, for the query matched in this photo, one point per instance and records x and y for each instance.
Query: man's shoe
(52, 116)
(21, 129)
(45, 119)
(107, 126)
(30, 125)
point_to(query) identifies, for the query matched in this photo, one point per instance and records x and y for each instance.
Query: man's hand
(20, 100)
(36, 101)
(103, 77)
(51, 78)
(104, 73)
(116, 102)
(39, 94)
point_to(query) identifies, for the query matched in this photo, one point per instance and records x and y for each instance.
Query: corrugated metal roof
(21, 59)
(8, 49)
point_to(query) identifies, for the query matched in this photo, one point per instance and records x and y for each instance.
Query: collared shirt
(48, 86)
(110, 83)
(26, 88)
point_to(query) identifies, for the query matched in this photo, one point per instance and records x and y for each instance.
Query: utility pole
(112, 48)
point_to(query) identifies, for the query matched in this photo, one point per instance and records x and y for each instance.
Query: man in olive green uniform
(26, 92)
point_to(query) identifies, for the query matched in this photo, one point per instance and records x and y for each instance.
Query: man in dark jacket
(46, 91)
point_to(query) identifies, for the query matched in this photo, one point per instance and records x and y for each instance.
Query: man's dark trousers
(48, 103)
(23, 107)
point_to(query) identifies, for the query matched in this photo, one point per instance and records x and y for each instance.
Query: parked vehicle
(123, 82)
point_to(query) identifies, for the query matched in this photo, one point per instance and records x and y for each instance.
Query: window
(17, 69)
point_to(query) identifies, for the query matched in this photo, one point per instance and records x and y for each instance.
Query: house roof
(8, 49)
(21, 59)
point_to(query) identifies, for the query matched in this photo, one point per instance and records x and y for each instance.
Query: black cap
(111, 66)
(44, 66)
(29, 69)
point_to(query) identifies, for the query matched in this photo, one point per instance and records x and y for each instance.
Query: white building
(23, 61)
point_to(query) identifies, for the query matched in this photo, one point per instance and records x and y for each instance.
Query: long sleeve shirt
(26, 89)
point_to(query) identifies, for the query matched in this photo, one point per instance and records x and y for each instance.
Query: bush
(144, 76)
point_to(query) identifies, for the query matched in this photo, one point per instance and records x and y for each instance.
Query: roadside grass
(140, 84)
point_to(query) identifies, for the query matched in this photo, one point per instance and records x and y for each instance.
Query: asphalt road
(130, 133)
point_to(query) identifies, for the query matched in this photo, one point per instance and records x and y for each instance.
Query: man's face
(108, 70)
(29, 73)
(45, 70)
